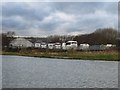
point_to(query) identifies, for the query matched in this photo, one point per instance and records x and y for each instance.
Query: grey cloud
(23, 10)
(85, 7)
(33, 15)
(12, 23)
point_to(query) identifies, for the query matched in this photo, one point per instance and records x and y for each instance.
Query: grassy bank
(95, 55)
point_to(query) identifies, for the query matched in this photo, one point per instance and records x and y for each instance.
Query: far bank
(111, 55)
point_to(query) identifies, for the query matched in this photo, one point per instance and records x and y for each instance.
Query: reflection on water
(30, 72)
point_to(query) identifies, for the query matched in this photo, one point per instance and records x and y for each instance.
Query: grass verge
(95, 55)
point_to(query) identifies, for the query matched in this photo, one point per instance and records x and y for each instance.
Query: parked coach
(71, 45)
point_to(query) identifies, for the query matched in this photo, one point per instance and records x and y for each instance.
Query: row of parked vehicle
(57, 45)
(72, 45)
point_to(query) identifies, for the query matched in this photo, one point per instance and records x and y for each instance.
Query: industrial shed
(21, 43)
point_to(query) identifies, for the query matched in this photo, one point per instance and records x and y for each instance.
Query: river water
(30, 72)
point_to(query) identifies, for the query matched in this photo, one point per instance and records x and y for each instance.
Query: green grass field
(88, 55)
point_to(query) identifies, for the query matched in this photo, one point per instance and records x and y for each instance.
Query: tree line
(100, 36)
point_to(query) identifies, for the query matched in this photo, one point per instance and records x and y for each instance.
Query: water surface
(30, 72)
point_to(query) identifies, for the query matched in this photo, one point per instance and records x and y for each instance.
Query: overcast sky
(58, 18)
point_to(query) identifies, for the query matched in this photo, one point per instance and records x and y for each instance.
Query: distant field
(88, 55)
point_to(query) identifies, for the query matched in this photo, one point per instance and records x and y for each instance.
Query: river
(31, 72)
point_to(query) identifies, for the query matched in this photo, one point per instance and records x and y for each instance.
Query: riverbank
(88, 55)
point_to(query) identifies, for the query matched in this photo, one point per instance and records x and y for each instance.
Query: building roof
(21, 42)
